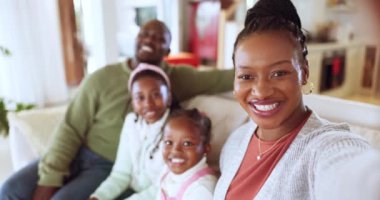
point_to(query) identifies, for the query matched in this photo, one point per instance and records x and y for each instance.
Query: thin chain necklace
(270, 148)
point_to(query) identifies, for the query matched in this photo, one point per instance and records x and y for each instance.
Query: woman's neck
(286, 127)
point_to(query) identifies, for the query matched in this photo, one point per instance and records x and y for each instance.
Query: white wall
(100, 33)
(34, 73)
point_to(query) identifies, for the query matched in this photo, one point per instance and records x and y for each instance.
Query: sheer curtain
(34, 72)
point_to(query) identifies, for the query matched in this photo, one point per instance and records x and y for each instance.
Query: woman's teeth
(266, 107)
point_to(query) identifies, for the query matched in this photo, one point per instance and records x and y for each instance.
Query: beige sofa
(31, 130)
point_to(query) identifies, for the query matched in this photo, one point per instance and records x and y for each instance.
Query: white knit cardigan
(306, 170)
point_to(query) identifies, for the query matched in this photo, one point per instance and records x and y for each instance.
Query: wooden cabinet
(353, 68)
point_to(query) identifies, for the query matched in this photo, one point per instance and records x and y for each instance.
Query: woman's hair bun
(273, 8)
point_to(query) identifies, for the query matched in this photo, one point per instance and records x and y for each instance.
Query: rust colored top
(253, 172)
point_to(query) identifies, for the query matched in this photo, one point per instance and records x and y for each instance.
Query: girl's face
(268, 79)
(150, 98)
(183, 145)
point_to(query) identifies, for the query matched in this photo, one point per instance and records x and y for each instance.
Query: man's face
(152, 43)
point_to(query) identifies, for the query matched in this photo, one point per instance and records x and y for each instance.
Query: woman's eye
(187, 144)
(245, 77)
(279, 73)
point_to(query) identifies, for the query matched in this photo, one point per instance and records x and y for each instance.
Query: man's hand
(44, 192)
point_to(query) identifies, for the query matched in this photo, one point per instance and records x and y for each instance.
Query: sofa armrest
(341, 110)
(363, 118)
(30, 132)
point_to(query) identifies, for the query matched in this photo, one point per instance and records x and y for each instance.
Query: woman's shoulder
(323, 131)
(322, 137)
(333, 136)
(237, 140)
(241, 132)
(328, 139)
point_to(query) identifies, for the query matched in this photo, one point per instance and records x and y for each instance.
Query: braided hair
(197, 118)
(268, 15)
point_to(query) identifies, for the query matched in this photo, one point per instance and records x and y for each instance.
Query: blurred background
(47, 47)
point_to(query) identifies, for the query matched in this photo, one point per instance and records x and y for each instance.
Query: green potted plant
(9, 106)
(5, 108)
(5, 51)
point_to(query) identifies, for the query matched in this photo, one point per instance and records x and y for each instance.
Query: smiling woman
(286, 142)
(267, 83)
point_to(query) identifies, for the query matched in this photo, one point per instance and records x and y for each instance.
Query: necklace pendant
(258, 157)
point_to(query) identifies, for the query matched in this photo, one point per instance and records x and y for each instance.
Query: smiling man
(84, 146)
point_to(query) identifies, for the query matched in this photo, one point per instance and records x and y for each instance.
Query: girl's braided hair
(199, 120)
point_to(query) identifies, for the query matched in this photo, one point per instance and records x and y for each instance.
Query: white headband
(147, 67)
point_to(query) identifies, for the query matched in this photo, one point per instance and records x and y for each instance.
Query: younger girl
(186, 142)
(137, 165)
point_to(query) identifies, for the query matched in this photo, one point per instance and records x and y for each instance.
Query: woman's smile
(265, 109)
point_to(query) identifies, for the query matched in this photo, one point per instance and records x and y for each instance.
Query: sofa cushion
(37, 125)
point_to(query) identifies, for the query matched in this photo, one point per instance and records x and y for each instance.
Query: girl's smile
(183, 144)
(150, 98)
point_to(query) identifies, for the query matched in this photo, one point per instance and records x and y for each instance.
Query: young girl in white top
(186, 142)
(138, 162)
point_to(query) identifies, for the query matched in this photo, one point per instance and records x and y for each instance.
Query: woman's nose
(262, 88)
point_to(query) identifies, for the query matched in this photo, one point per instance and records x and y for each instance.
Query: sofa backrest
(34, 127)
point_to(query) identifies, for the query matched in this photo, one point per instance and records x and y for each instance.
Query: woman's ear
(305, 72)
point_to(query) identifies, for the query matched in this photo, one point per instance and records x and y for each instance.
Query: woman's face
(268, 78)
